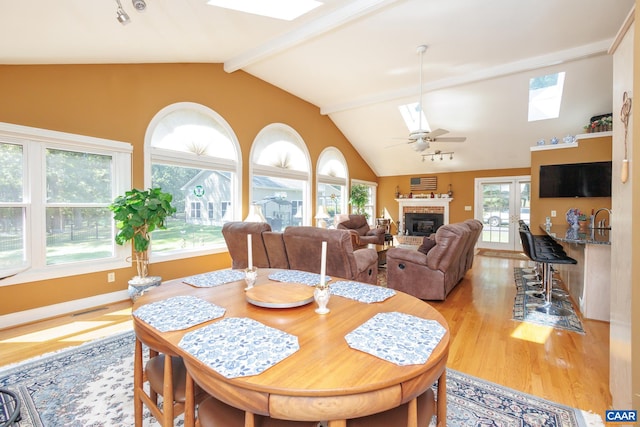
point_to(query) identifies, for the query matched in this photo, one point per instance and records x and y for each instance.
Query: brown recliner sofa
(431, 276)
(304, 251)
(300, 248)
(235, 235)
(362, 233)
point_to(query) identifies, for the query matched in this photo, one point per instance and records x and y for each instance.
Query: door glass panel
(496, 213)
(500, 204)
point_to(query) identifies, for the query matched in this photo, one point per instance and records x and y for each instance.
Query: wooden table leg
(412, 415)
(190, 403)
(249, 419)
(337, 423)
(441, 411)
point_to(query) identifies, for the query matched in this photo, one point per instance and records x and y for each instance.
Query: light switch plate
(553, 213)
(467, 208)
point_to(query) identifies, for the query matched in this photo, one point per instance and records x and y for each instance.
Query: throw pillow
(426, 245)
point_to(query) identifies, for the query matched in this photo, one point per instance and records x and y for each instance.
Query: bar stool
(546, 258)
(546, 243)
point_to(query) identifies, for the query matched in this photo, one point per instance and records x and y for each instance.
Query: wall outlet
(553, 213)
(111, 277)
(467, 208)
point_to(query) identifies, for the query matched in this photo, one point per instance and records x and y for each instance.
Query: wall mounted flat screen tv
(576, 180)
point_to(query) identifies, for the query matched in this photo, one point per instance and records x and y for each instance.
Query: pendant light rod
(420, 50)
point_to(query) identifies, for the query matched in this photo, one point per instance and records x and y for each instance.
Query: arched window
(280, 176)
(192, 153)
(332, 179)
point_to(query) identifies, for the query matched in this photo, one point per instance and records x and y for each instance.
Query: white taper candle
(323, 264)
(249, 251)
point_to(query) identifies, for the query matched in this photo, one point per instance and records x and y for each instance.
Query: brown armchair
(363, 234)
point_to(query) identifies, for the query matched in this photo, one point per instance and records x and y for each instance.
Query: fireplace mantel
(419, 202)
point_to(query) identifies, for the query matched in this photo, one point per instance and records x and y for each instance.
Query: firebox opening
(423, 224)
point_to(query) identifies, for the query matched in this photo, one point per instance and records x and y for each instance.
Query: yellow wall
(462, 184)
(588, 150)
(117, 102)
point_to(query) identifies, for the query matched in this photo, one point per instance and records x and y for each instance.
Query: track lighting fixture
(437, 153)
(121, 15)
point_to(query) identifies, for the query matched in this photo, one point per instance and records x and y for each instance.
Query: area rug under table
(92, 385)
(524, 308)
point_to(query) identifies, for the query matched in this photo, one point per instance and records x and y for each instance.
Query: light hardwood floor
(565, 367)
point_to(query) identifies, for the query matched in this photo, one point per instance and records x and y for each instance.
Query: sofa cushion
(427, 245)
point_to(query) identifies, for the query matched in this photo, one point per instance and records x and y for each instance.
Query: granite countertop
(565, 233)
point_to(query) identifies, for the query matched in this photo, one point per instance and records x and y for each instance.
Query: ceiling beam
(533, 63)
(314, 28)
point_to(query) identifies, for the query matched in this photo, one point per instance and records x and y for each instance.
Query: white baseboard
(33, 315)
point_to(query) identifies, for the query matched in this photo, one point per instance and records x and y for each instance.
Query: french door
(500, 203)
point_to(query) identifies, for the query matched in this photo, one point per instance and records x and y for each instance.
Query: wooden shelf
(562, 145)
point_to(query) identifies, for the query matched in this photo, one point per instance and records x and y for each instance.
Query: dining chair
(214, 413)
(164, 375)
(399, 416)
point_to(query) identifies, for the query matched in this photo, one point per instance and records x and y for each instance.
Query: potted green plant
(358, 199)
(137, 214)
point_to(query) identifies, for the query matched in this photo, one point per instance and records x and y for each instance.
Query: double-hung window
(55, 190)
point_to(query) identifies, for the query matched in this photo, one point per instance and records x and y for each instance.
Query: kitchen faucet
(603, 223)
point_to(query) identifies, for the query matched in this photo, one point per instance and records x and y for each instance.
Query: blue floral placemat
(239, 346)
(398, 338)
(361, 292)
(297, 276)
(177, 313)
(214, 278)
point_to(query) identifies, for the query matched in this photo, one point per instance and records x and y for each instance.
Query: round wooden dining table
(325, 379)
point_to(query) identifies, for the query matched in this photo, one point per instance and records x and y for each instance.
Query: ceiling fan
(422, 138)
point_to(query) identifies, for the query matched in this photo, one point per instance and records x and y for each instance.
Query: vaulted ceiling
(356, 60)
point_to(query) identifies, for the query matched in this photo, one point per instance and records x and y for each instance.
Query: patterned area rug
(524, 308)
(92, 385)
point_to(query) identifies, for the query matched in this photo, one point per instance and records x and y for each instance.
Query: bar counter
(589, 281)
(565, 233)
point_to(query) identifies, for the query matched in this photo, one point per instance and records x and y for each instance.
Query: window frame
(328, 154)
(35, 142)
(177, 158)
(373, 186)
(271, 171)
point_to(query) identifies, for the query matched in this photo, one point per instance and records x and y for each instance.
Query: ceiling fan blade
(397, 145)
(451, 139)
(436, 133)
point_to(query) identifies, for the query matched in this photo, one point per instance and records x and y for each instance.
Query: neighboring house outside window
(193, 154)
(280, 176)
(332, 179)
(55, 191)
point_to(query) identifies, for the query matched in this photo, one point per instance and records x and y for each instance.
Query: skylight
(287, 10)
(411, 113)
(545, 96)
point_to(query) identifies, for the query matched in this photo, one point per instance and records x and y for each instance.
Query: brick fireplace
(422, 216)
